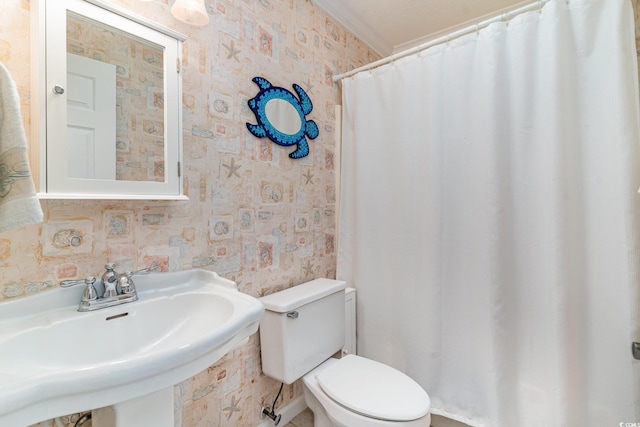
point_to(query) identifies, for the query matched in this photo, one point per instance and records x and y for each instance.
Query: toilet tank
(302, 327)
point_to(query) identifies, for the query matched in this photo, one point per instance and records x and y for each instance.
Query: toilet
(302, 328)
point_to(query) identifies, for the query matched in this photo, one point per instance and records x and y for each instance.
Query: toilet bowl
(301, 329)
(363, 396)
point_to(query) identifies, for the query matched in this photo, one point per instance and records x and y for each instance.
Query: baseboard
(288, 412)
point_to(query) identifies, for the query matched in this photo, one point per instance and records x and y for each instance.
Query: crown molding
(350, 20)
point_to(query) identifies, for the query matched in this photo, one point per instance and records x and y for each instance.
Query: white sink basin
(55, 360)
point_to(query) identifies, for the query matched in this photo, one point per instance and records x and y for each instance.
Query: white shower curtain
(490, 219)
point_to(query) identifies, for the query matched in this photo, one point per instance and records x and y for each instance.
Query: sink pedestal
(155, 409)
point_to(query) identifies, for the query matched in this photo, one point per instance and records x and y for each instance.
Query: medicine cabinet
(106, 96)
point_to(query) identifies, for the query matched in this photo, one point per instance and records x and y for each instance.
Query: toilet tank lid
(297, 296)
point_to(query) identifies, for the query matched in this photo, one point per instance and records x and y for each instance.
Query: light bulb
(192, 12)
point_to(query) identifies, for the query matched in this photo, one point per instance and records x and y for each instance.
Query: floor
(305, 419)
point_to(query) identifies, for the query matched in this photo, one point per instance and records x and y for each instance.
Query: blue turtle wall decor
(277, 133)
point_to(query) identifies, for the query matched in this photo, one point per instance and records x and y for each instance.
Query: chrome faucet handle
(90, 293)
(154, 267)
(125, 283)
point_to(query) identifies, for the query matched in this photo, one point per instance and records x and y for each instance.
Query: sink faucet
(118, 288)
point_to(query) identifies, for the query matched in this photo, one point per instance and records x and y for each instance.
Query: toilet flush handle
(292, 315)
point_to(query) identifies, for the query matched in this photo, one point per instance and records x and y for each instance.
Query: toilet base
(328, 413)
(320, 417)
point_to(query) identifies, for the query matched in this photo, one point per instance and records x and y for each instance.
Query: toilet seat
(374, 390)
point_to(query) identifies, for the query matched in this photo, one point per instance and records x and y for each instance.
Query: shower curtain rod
(505, 17)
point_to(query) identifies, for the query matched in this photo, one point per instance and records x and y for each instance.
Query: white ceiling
(390, 26)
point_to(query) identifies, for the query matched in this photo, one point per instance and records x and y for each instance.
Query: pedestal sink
(55, 360)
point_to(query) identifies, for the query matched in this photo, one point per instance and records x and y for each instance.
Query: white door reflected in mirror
(91, 118)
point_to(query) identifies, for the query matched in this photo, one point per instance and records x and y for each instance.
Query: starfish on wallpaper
(308, 176)
(232, 52)
(307, 85)
(308, 269)
(233, 407)
(233, 168)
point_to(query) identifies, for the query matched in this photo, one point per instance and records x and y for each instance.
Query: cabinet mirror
(108, 110)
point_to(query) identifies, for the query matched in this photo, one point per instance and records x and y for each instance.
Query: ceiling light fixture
(192, 12)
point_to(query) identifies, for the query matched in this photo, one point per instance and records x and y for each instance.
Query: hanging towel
(19, 205)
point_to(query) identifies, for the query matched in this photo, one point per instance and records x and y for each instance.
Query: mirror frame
(49, 160)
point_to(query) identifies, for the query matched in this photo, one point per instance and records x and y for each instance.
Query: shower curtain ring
(505, 18)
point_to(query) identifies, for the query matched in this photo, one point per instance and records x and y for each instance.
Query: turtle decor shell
(301, 104)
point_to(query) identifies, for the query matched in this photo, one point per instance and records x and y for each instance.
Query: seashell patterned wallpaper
(254, 215)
